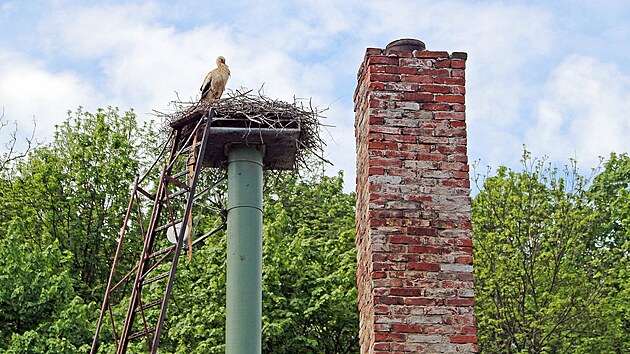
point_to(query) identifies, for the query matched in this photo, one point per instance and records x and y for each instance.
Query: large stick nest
(247, 109)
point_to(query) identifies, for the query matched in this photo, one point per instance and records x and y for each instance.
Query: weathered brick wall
(414, 246)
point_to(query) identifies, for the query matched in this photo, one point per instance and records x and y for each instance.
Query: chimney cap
(406, 45)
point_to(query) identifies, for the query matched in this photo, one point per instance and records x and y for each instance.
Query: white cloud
(139, 54)
(141, 63)
(144, 62)
(507, 45)
(584, 112)
(28, 90)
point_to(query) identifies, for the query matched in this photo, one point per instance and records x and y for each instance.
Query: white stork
(214, 83)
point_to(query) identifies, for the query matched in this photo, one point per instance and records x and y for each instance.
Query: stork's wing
(205, 87)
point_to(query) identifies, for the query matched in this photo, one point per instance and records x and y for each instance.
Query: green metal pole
(244, 250)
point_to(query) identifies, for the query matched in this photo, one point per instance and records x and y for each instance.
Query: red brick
(458, 124)
(460, 175)
(429, 267)
(435, 73)
(389, 337)
(435, 89)
(385, 77)
(388, 300)
(376, 222)
(464, 260)
(419, 97)
(381, 145)
(405, 328)
(373, 51)
(431, 157)
(379, 257)
(469, 330)
(376, 103)
(376, 171)
(417, 301)
(449, 98)
(403, 239)
(413, 222)
(436, 107)
(373, 187)
(377, 68)
(379, 275)
(387, 196)
(456, 183)
(383, 60)
(382, 346)
(458, 64)
(376, 86)
(423, 231)
(462, 158)
(460, 302)
(405, 70)
(377, 120)
(433, 54)
(450, 80)
(443, 64)
(463, 339)
(466, 242)
(457, 73)
(423, 79)
(425, 249)
(405, 292)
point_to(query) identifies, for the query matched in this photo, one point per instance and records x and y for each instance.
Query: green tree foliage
(75, 189)
(40, 311)
(62, 207)
(34, 282)
(609, 328)
(309, 289)
(309, 267)
(59, 215)
(551, 253)
(551, 260)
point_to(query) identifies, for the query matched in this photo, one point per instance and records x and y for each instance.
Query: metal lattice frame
(170, 206)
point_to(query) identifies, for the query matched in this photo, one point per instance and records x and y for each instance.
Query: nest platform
(288, 132)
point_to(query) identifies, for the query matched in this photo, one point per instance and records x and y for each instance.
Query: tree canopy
(551, 252)
(63, 203)
(551, 259)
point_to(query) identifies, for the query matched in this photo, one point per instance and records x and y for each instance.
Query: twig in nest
(256, 110)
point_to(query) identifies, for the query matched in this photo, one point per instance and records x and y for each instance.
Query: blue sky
(552, 75)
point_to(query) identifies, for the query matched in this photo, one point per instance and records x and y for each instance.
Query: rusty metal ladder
(170, 207)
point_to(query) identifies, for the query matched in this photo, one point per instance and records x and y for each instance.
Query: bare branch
(12, 153)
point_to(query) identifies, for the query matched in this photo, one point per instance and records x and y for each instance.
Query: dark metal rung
(177, 182)
(170, 224)
(178, 193)
(180, 174)
(141, 333)
(188, 148)
(146, 194)
(156, 278)
(149, 305)
(162, 251)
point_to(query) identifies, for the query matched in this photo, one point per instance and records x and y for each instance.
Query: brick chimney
(414, 238)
